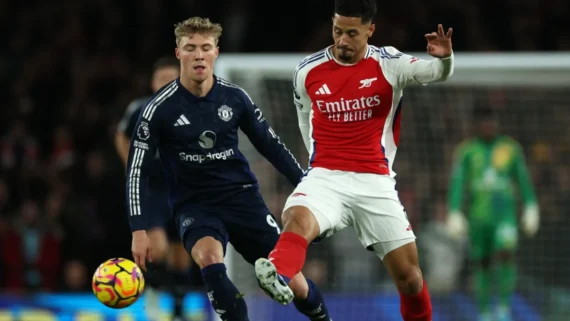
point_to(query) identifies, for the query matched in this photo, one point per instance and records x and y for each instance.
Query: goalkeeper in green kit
(486, 171)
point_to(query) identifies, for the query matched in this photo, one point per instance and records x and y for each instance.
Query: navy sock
(156, 275)
(314, 305)
(178, 294)
(178, 289)
(223, 294)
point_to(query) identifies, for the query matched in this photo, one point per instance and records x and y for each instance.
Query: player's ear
(371, 29)
(177, 53)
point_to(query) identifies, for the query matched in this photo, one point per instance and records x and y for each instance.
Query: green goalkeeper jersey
(487, 174)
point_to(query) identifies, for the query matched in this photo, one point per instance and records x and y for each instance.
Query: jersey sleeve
(144, 144)
(402, 69)
(523, 177)
(303, 103)
(130, 118)
(267, 143)
(457, 179)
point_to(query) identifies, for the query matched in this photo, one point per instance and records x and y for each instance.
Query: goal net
(531, 96)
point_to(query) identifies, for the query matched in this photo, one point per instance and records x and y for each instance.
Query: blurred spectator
(62, 154)
(437, 246)
(19, 149)
(5, 198)
(30, 253)
(76, 278)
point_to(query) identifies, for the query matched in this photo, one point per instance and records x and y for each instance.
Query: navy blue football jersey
(197, 140)
(131, 116)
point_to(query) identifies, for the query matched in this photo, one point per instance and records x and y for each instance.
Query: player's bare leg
(227, 301)
(299, 286)
(403, 265)
(288, 257)
(207, 251)
(301, 221)
(156, 271)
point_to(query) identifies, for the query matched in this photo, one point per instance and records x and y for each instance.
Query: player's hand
(456, 225)
(530, 220)
(439, 43)
(141, 248)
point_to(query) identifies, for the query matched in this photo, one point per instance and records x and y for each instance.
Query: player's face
(350, 37)
(163, 76)
(488, 128)
(197, 54)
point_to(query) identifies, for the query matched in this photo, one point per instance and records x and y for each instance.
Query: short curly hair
(364, 9)
(197, 25)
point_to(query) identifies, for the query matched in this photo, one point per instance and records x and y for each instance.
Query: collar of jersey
(210, 96)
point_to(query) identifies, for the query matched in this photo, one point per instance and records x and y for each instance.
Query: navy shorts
(243, 220)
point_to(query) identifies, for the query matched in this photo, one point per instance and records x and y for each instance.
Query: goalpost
(531, 94)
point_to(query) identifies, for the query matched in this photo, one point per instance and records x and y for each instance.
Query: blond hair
(197, 25)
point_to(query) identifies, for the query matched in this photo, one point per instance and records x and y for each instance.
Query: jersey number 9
(272, 223)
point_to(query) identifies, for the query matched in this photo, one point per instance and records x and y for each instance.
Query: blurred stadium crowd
(69, 69)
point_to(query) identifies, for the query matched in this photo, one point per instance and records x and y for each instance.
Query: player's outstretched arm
(267, 143)
(404, 69)
(531, 217)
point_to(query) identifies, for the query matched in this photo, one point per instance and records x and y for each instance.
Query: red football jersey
(349, 115)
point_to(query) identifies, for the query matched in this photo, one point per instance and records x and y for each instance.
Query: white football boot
(272, 283)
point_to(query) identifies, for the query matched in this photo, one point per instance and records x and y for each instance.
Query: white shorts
(367, 202)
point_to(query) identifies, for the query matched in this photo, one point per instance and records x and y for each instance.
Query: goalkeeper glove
(456, 224)
(530, 220)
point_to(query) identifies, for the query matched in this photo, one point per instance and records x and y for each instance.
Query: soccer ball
(118, 283)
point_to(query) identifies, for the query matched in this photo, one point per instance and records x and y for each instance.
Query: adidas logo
(324, 90)
(182, 120)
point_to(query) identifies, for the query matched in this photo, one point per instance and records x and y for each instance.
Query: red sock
(416, 307)
(288, 256)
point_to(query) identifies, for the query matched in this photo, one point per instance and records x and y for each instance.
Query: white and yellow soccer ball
(118, 283)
